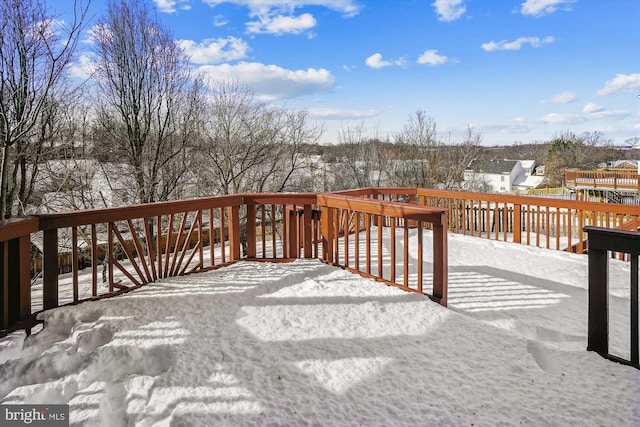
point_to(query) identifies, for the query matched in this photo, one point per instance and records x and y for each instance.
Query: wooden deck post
(327, 234)
(50, 269)
(292, 233)
(234, 232)
(23, 254)
(15, 276)
(517, 223)
(440, 260)
(251, 230)
(5, 301)
(307, 232)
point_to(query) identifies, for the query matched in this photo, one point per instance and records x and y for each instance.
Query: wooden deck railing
(349, 217)
(601, 241)
(145, 243)
(603, 179)
(537, 221)
(15, 248)
(128, 247)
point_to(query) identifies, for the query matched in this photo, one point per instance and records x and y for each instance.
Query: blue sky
(513, 70)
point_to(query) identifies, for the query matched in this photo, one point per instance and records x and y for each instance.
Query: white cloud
(212, 51)
(84, 67)
(376, 61)
(280, 24)
(590, 118)
(592, 108)
(602, 114)
(171, 6)
(91, 34)
(278, 17)
(271, 82)
(431, 57)
(219, 21)
(516, 44)
(336, 114)
(48, 28)
(543, 7)
(561, 98)
(590, 112)
(621, 83)
(558, 118)
(449, 10)
(347, 7)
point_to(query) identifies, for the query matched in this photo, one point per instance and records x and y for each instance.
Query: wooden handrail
(15, 280)
(147, 210)
(13, 228)
(347, 215)
(392, 209)
(142, 243)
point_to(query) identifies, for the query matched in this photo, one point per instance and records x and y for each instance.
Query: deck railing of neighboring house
(131, 246)
(619, 179)
(601, 241)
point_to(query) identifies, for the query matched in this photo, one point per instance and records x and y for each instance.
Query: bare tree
(147, 97)
(35, 50)
(427, 161)
(456, 159)
(361, 161)
(420, 137)
(250, 146)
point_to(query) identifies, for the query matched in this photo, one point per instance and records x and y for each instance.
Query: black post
(634, 311)
(598, 327)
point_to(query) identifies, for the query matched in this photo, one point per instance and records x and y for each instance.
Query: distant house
(529, 166)
(501, 176)
(623, 164)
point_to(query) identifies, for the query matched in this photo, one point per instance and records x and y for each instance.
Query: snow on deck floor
(308, 344)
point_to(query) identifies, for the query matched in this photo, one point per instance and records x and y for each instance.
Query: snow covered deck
(308, 344)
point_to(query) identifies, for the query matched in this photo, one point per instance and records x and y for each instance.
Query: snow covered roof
(528, 181)
(493, 166)
(527, 164)
(629, 164)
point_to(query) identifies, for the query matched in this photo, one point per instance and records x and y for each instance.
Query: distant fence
(600, 242)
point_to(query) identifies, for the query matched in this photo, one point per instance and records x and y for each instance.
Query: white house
(501, 176)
